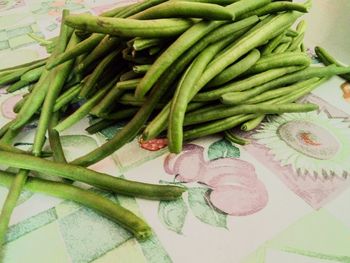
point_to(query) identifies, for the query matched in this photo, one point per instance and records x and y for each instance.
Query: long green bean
(103, 205)
(78, 173)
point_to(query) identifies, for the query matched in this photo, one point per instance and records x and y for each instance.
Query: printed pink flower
(7, 106)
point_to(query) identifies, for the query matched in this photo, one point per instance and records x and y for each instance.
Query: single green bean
(17, 86)
(185, 9)
(140, 69)
(253, 123)
(295, 45)
(78, 173)
(281, 48)
(92, 200)
(128, 84)
(236, 69)
(265, 108)
(327, 59)
(143, 43)
(280, 60)
(15, 189)
(246, 84)
(276, 7)
(129, 27)
(33, 75)
(272, 44)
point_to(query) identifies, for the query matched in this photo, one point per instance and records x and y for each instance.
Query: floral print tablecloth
(285, 197)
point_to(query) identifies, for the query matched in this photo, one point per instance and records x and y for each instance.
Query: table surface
(285, 197)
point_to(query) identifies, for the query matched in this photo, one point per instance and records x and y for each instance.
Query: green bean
(327, 59)
(236, 69)
(57, 78)
(103, 205)
(5, 128)
(140, 69)
(183, 92)
(119, 114)
(218, 2)
(253, 123)
(106, 45)
(77, 173)
(66, 97)
(106, 103)
(184, 42)
(54, 140)
(140, 7)
(17, 86)
(272, 44)
(143, 43)
(82, 111)
(16, 74)
(246, 84)
(130, 100)
(217, 126)
(279, 92)
(35, 63)
(154, 50)
(291, 33)
(129, 27)
(33, 75)
(118, 10)
(229, 135)
(81, 48)
(280, 60)
(128, 75)
(281, 48)
(185, 9)
(278, 7)
(127, 84)
(265, 108)
(94, 77)
(15, 189)
(295, 45)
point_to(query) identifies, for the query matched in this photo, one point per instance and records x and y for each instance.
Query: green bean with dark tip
(185, 9)
(92, 200)
(140, 69)
(144, 43)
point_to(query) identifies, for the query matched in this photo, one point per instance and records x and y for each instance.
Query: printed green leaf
(222, 149)
(173, 214)
(200, 206)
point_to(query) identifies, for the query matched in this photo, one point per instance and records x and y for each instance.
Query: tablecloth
(284, 197)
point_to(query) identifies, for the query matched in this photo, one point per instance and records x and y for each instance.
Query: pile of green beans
(178, 68)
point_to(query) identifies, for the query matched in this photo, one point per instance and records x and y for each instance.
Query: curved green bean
(185, 9)
(276, 7)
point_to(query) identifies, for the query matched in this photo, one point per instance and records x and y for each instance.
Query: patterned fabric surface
(282, 198)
